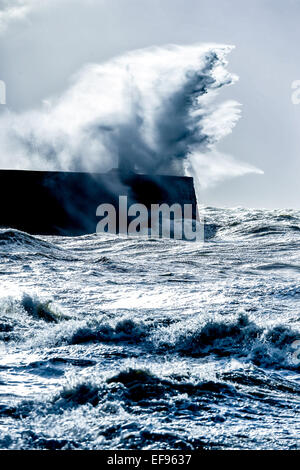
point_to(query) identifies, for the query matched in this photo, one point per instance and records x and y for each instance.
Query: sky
(44, 43)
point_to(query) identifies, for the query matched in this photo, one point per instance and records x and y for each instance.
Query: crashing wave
(42, 310)
(125, 330)
(265, 347)
(152, 108)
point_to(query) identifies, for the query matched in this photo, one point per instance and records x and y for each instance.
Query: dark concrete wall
(65, 203)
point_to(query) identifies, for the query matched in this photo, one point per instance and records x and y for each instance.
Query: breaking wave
(125, 107)
(265, 347)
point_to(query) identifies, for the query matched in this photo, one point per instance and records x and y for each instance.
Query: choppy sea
(109, 342)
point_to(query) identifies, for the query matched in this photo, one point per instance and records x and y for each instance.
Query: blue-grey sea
(113, 342)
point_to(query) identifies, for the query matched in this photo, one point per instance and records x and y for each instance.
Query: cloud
(12, 11)
(15, 10)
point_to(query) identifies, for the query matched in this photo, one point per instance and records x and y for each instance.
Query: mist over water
(154, 109)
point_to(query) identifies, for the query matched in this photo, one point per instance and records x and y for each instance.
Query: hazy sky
(43, 43)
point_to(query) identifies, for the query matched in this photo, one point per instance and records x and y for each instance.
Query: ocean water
(110, 342)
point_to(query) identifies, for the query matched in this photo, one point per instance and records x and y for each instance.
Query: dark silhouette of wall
(65, 203)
